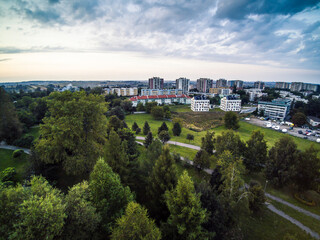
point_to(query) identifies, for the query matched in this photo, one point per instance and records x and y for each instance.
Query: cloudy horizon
(134, 40)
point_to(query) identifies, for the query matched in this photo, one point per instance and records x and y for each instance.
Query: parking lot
(294, 131)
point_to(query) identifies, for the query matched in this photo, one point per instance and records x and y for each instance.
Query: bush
(17, 153)
(25, 142)
(8, 175)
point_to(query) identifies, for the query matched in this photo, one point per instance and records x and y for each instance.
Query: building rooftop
(314, 118)
(200, 97)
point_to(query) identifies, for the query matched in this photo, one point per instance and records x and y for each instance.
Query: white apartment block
(155, 92)
(200, 104)
(255, 93)
(122, 91)
(230, 103)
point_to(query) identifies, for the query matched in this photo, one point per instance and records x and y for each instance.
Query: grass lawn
(180, 108)
(7, 161)
(33, 131)
(310, 222)
(270, 226)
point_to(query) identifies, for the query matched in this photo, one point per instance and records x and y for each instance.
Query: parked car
(284, 130)
(300, 132)
(305, 137)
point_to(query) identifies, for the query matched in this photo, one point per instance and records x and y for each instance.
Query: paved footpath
(294, 221)
(10, 147)
(176, 143)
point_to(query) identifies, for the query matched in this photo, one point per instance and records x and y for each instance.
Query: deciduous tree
(164, 136)
(207, 142)
(299, 119)
(231, 120)
(202, 159)
(157, 112)
(230, 141)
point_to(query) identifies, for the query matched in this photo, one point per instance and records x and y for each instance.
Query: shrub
(25, 142)
(17, 153)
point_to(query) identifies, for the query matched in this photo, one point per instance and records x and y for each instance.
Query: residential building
(292, 97)
(220, 91)
(154, 92)
(297, 86)
(184, 84)
(255, 93)
(155, 83)
(122, 91)
(200, 103)
(230, 103)
(313, 121)
(311, 87)
(283, 85)
(258, 85)
(277, 109)
(204, 84)
(161, 99)
(221, 83)
(237, 83)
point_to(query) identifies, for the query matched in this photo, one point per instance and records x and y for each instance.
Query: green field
(244, 131)
(6, 161)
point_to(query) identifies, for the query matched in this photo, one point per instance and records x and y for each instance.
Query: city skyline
(135, 40)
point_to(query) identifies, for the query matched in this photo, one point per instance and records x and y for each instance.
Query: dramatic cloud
(282, 33)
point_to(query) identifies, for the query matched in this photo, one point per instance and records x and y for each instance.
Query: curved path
(176, 143)
(10, 147)
(294, 221)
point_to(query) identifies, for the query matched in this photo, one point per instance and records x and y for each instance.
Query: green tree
(83, 220)
(27, 118)
(114, 123)
(74, 133)
(176, 129)
(39, 108)
(146, 128)
(230, 141)
(186, 213)
(135, 224)
(164, 136)
(207, 142)
(117, 111)
(157, 112)
(134, 126)
(42, 215)
(126, 105)
(149, 106)
(116, 155)
(190, 137)
(107, 193)
(282, 158)
(162, 178)
(163, 127)
(148, 140)
(8, 176)
(140, 107)
(202, 159)
(138, 130)
(299, 119)
(256, 197)
(167, 114)
(231, 120)
(10, 126)
(306, 169)
(255, 154)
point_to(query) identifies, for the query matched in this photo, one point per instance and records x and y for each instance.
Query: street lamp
(265, 186)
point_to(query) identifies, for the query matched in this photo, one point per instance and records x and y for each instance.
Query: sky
(251, 40)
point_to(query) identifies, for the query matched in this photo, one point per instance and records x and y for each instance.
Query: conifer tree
(148, 140)
(135, 224)
(176, 129)
(163, 127)
(146, 128)
(186, 213)
(202, 160)
(134, 126)
(163, 178)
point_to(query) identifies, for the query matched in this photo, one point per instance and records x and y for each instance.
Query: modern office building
(230, 103)
(154, 92)
(277, 109)
(204, 84)
(283, 85)
(200, 103)
(258, 85)
(184, 84)
(221, 83)
(122, 91)
(161, 99)
(155, 83)
(237, 83)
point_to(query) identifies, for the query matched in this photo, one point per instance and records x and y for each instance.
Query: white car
(318, 140)
(277, 128)
(269, 125)
(284, 130)
(247, 119)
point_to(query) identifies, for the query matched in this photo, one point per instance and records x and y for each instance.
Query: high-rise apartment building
(283, 85)
(297, 86)
(258, 85)
(184, 84)
(155, 83)
(237, 83)
(221, 83)
(204, 84)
